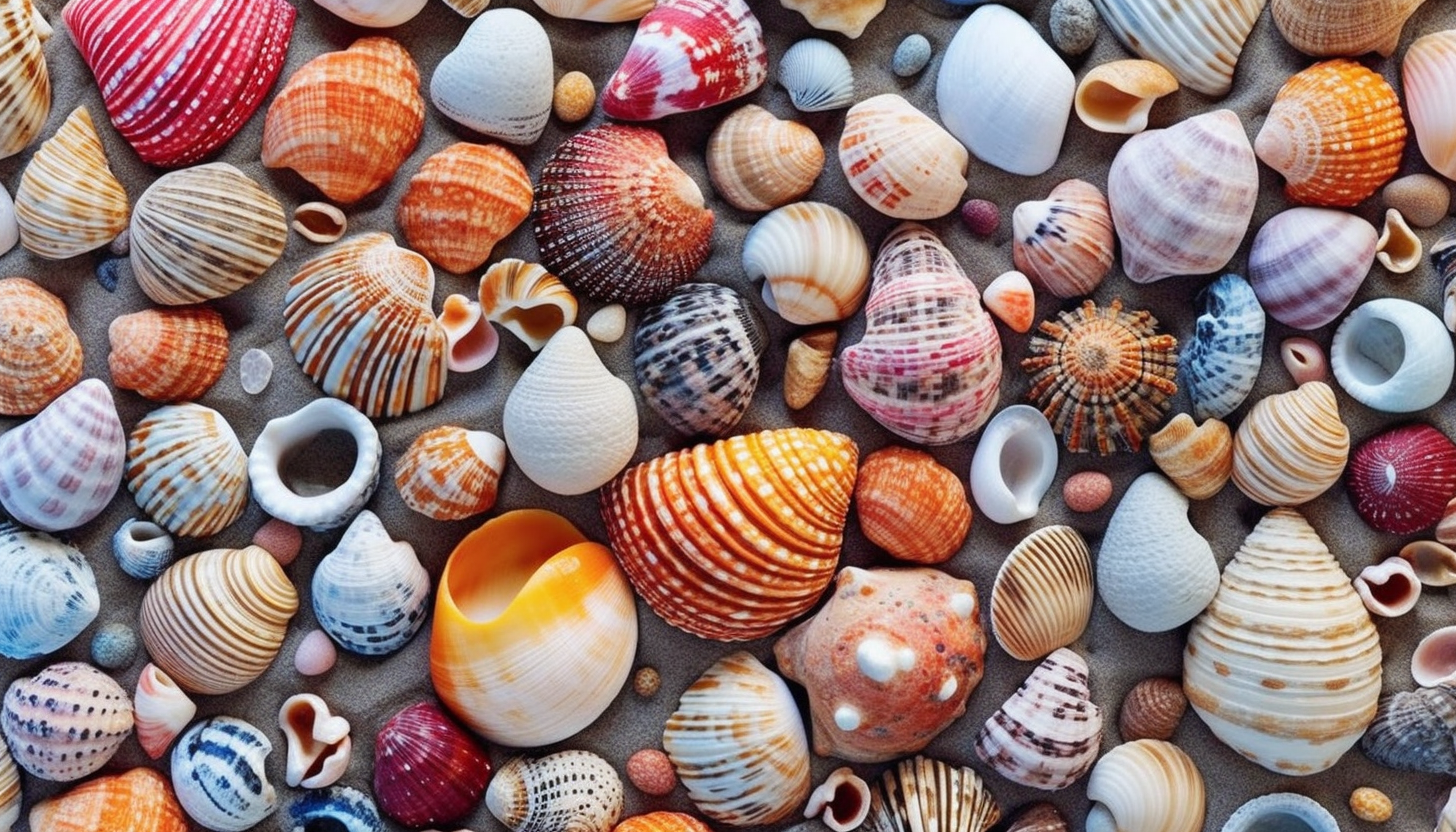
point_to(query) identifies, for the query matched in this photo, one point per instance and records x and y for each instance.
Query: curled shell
(1427, 73)
(527, 300)
(1042, 598)
(48, 593)
(1400, 480)
(900, 161)
(757, 161)
(1198, 458)
(1434, 563)
(1152, 709)
(498, 80)
(143, 549)
(473, 341)
(427, 769)
(806, 366)
(60, 469)
(1146, 786)
(813, 260)
(924, 793)
(569, 791)
(1433, 662)
(911, 506)
(1064, 243)
(842, 801)
(318, 742)
(162, 710)
(66, 721)
(848, 19)
(450, 473)
(1219, 364)
(1413, 731)
(464, 200)
(340, 808)
(139, 799)
(25, 95)
(1389, 588)
(817, 76)
(1342, 27)
(1199, 42)
(1391, 355)
(1014, 464)
(218, 774)
(370, 594)
(187, 469)
(170, 354)
(300, 501)
(1307, 263)
(1398, 248)
(68, 201)
(40, 355)
(1115, 97)
(1291, 447)
(1048, 733)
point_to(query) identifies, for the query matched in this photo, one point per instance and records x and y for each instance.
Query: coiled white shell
(1393, 355)
(1014, 465)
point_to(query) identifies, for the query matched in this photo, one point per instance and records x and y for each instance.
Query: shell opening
(538, 321)
(484, 592)
(1104, 102)
(1022, 459)
(319, 465)
(1391, 591)
(1379, 352)
(145, 531)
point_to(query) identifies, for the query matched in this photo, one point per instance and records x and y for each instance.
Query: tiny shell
(651, 772)
(1428, 76)
(427, 769)
(318, 742)
(162, 710)
(450, 473)
(1146, 786)
(1014, 464)
(1199, 42)
(1342, 27)
(806, 366)
(1152, 709)
(608, 324)
(1065, 242)
(464, 200)
(499, 79)
(1423, 199)
(316, 654)
(1371, 805)
(48, 593)
(1048, 734)
(1011, 299)
(473, 341)
(911, 506)
(370, 594)
(314, 506)
(1154, 570)
(143, 549)
(1291, 446)
(40, 355)
(1042, 598)
(1389, 588)
(187, 469)
(568, 790)
(218, 774)
(1398, 249)
(574, 97)
(1220, 362)
(68, 201)
(1199, 459)
(847, 18)
(1393, 355)
(842, 801)
(1304, 360)
(1087, 491)
(320, 222)
(1037, 817)
(925, 793)
(757, 161)
(982, 217)
(170, 354)
(1433, 662)
(527, 300)
(66, 721)
(1115, 97)
(25, 94)
(1307, 263)
(1401, 479)
(59, 470)
(139, 800)
(817, 76)
(813, 260)
(900, 161)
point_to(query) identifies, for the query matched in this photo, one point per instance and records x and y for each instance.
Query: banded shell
(1152, 709)
(370, 594)
(450, 473)
(25, 95)
(318, 742)
(170, 354)
(204, 233)
(601, 11)
(464, 200)
(68, 201)
(527, 300)
(757, 161)
(1146, 786)
(427, 770)
(142, 549)
(1391, 355)
(1048, 733)
(1342, 27)
(40, 355)
(1220, 363)
(60, 469)
(1042, 598)
(616, 219)
(1064, 243)
(336, 807)
(813, 260)
(1412, 731)
(1291, 447)
(139, 799)
(924, 793)
(346, 121)
(163, 710)
(66, 721)
(1116, 97)
(1197, 457)
(498, 80)
(761, 556)
(900, 161)
(911, 506)
(738, 744)
(1307, 263)
(218, 774)
(1154, 570)
(817, 76)
(48, 593)
(576, 791)
(1428, 76)
(1401, 479)
(187, 470)
(1199, 42)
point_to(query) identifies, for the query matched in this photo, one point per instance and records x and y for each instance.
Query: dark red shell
(427, 770)
(1401, 480)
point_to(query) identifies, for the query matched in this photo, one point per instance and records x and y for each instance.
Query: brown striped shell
(1152, 709)
(187, 469)
(758, 161)
(40, 355)
(925, 793)
(450, 473)
(68, 201)
(464, 200)
(1291, 447)
(170, 354)
(1048, 733)
(911, 506)
(1042, 598)
(25, 86)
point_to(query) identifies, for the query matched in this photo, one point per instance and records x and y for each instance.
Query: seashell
(9, 230)
(900, 161)
(345, 121)
(1304, 360)
(187, 470)
(526, 300)
(68, 201)
(1182, 197)
(204, 233)
(757, 161)
(463, 201)
(170, 354)
(451, 473)
(572, 791)
(1146, 786)
(1199, 459)
(498, 81)
(1037, 817)
(981, 216)
(318, 742)
(925, 793)
(1042, 598)
(738, 744)
(255, 369)
(215, 620)
(162, 710)
(370, 594)
(1446, 528)
(1291, 447)
(1010, 298)
(1401, 479)
(1423, 199)
(48, 593)
(911, 506)
(813, 260)
(1343, 27)
(570, 424)
(1371, 805)
(218, 774)
(40, 355)
(929, 365)
(1014, 464)
(912, 55)
(59, 470)
(66, 721)
(1219, 364)
(1064, 243)
(1413, 730)
(1391, 355)
(1154, 570)
(764, 552)
(138, 799)
(375, 14)
(842, 801)
(616, 219)
(473, 341)
(1299, 702)
(143, 549)
(534, 630)
(1048, 733)
(371, 295)
(319, 222)
(817, 76)
(1101, 376)
(1198, 42)
(1281, 809)
(846, 18)
(336, 807)
(1398, 248)
(1433, 663)
(601, 11)
(1087, 491)
(1428, 72)
(1115, 97)
(608, 324)
(317, 505)
(25, 97)
(806, 366)
(1152, 710)
(887, 620)
(651, 772)
(685, 56)
(1434, 563)
(574, 97)
(427, 770)
(1004, 92)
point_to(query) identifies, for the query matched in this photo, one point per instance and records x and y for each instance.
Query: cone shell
(163, 710)
(1064, 243)
(187, 470)
(1048, 733)
(757, 161)
(1198, 458)
(1042, 598)
(48, 593)
(498, 81)
(601, 11)
(1199, 42)
(1400, 480)
(1296, 704)
(215, 620)
(61, 469)
(900, 161)
(218, 774)
(1146, 786)
(1342, 27)
(464, 200)
(25, 92)
(1219, 364)
(730, 541)
(168, 355)
(569, 790)
(40, 355)
(1152, 710)
(911, 506)
(813, 260)
(738, 744)
(140, 799)
(370, 594)
(68, 201)
(66, 721)
(427, 770)
(1291, 447)
(345, 121)
(450, 473)
(924, 793)
(616, 219)
(1412, 731)
(527, 300)
(1115, 97)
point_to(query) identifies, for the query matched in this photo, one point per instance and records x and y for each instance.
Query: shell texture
(463, 201)
(1064, 243)
(170, 354)
(1154, 570)
(817, 76)
(900, 161)
(601, 11)
(162, 709)
(757, 161)
(9, 230)
(925, 793)
(473, 341)
(1042, 598)
(806, 366)
(1146, 786)
(1433, 562)
(48, 593)
(569, 791)
(1413, 730)
(60, 469)
(813, 260)
(187, 470)
(1398, 248)
(527, 300)
(1400, 480)
(498, 81)
(1342, 27)
(842, 801)
(1198, 458)
(316, 505)
(68, 201)
(318, 741)
(1152, 709)
(1433, 662)
(1391, 355)
(1012, 300)
(218, 774)
(451, 473)
(929, 365)
(66, 721)
(1116, 97)
(1443, 259)
(1199, 42)
(1048, 733)
(1281, 808)
(255, 369)
(1307, 263)
(25, 94)
(911, 506)
(138, 799)
(1428, 76)
(427, 770)
(1291, 447)
(370, 594)
(337, 807)
(1219, 364)
(662, 822)
(847, 17)
(1014, 464)
(143, 549)
(1304, 360)
(40, 355)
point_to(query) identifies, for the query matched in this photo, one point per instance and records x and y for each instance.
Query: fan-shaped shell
(1199, 41)
(1154, 570)
(1428, 75)
(1064, 243)
(1048, 733)
(68, 201)
(163, 710)
(48, 593)
(601, 11)
(1219, 364)
(1198, 458)
(900, 161)
(757, 161)
(370, 594)
(139, 799)
(25, 91)
(571, 791)
(1342, 27)
(1115, 97)
(463, 201)
(813, 260)
(498, 80)
(427, 770)
(187, 469)
(66, 721)
(1307, 263)
(450, 473)
(1146, 786)
(924, 793)
(1042, 598)
(817, 76)
(170, 354)
(1291, 447)
(1412, 731)
(911, 506)
(1400, 480)
(527, 300)
(662, 821)
(40, 355)
(60, 469)
(1390, 355)
(218, 774)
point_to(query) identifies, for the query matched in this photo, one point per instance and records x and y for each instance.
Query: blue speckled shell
(338, 807)
(1221, 361)
(219, 776)
(370, 594)
(47, 593)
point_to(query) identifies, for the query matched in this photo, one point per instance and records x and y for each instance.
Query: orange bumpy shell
(40, 355)
(911, 506)
(140, 800)
(464, 200)
(168, 355)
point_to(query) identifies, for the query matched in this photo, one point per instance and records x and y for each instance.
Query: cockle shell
(527, 300)
(427, 769)
(1401, 479)
(370, 594)
(40, 355)
(1014, 464)
(218, 773)
(1389, 588)
(1048, 733)
(335, 807)
(817, 76)
(1391, 355)
(924, 793)
(569, 791)
(316, 504)
(346, 121)
(601, 11)
(450, 473)
(1398, 248)
(900, 161)
(757, 161)
(1198, 458)
(473, 341)
(1199, 42)
(1299, 702)
(813, 260)
(499, 79)
(929, 365)
(662, 821)
(616, 219)
(318, 742)
(847, 17)
(25, 94)
(463, 201)
(685, 56)
(170, 354)
(1064, 243)
(911, 506)
(68, 201)
(1414, 731)
(48, 593)
(1220, 362)
(1428, 75)
(1145, 786)
(187, 469)
(142, 549)
(1291, 446)
(806, 366)
(1152, 709)
(162, 710)
(375, 14)
(1115, 97)
(868, 652)
(1342, 27)
(738, 744)
(66, 721)
(1042, 598)
(138, 800)
(204, 233)
(1280, 809)
(1154, 570)
(733, 539)
(60, 469)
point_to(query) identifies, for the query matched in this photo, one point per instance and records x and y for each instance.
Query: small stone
(1371, 805)
(109, 273)
(121, 243)
(255, 370)
(911, 56)
(608, 324)
(574, 97)
(281, 539)
(114, 646)
(1421, 198)
(981, 216)
(651, 772)
(1087, 491)
(646, 682)
(316, 654)
(1074, 25)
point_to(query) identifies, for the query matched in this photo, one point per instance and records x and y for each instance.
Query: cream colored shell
(757, 161)
(901, 161)
(1342, 27)
(813, 260)
(1042, 597)
(1146, 786)
(1198, 458)
(1291, 447)
(68, 201)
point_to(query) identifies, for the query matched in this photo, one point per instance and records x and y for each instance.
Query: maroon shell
(427, 770)
(1401, 480)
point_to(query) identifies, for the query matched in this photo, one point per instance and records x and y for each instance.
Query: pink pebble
(1087, 491)
(651, 772)
(282, 540)
(981, 216)
(316, 654)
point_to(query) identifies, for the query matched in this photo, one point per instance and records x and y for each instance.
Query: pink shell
(1401, 480)
(220, 57)
(316, 654)
(61, 468)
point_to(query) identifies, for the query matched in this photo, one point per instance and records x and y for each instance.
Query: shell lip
(288, 434)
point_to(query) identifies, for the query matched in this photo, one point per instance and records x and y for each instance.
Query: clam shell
(757, 161)
(1042, 598)
(1152, 710)
(662, 821)
(1391, 355)
(139, 799)
(1198, 458)
(847, 17)
(187, 470)
(1401, 479)
(218, 774)
(1199, 41)
(1389, 588)
(311, 504)
(336, 807)
(375, 14)
(601, 11)
(48, 593)
(817, 76)
(1398, 248)
(1064, 243)
(40, 355)
(1412, 731)
(527, 300)
(25, 92)
(66, 721)
(568, 790)
(806, 366)
(900, 161)
(1115, 97)
(498, 80)
(1146, 786)
(1014, 464)
(60, 469)
(163, 710)
(911, 506)
(450, 473)
(1048, 733)
(925, 793)
(143, 549)
(171, 354)
(318, 742)
(68, 201)
(1307, 263)
(463, 201)
(1154, 570)
(1220, 362)
(813, 260)
(370, 594)
(427, 770)
(1291, 447)
(1342, 27)
(1428, 74)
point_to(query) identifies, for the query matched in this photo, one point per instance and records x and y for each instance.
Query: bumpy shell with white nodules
(218, 774)
(318, 742)
(1198, 458)
(187, 469)
(499, 79)
(450, 473)
(1065, 242)
(370, 594)
(1220, 362)
(900, 161)
(817, 76)
(25, 92)
(163, 710)
(1291, 447)
(527, 300)
(68, 201)
(463, 201)
(170, 354)
(61, 469)
(569, 791)
(1391, 355)
(1115, 97)
(40, 355)
(1342, 27)
(1042, 598)
(1146, 786)
(66, 721)
(1014, 464)
(757, 161)
(1199, 41)
(813, 260)
(48, 593)
(925, 793)
(1307, 263)
(1048, 733)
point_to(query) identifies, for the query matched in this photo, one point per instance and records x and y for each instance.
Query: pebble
(608, 324)
(981, 216)
(282, 540)
(114, 646)
(255, 370)
(646, 682)
(316, 654)
(1087, 491)
(1074, 25)
(1421, 198)
(108, 274)
(574, 97)
(121, 244)
(911, 56)
(651, 772)
(1371, 805)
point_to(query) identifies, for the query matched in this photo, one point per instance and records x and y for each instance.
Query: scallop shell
(1219, 364)
(1152, 709)
(1199, 42)
(1389, 588)
(163, 710)
(900, 161)
(730, 541)
(911, 506)
(40, 355)
(847, 17)
(139, 799)
(187, 470)
(1398, 248)
(143, 549)
(1291, 447)
(738, 744)
(817, 76)
(601, 11)
(336, 807)
(527, 300)
(1428, 74)
(1014, 464)
(1307, 263)
(813, 260)
(346, 121)
(499, 79)
(1401, 479)
(1048, 733)
(1198, 458)
(204, 233)
(427, 770)
(370, 594)
(316, 504)
(464, 200)
(318, 742)
(806, 366)
(1154, 570)
(616, 219)
(218, 773)
(1391, 355)
(375, 14)
(66, 721)
(48, 593)
(570, 791)
(1115, 97)
(662, 821)
(757, 161)
(1146, 786)
(451, 473)
(1064, 243)
(25, 94)
(925, 793)
(168, 355)
(1342, 27)
(1413, 730)
(59, 470)
(1042, 598)
(68, 201)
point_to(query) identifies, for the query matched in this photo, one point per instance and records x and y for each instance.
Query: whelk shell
(187, 469)
(68, 201)
(570, 791)
(1220, 363)
(25, 93)
(1065, 242)
(1392, 355)
(806, 366)
(924, 793)
(48, 593)
(1145, 786)
(527, 300)
(498, 80)
(218, 774)
(1152, 709)
(817, 76)
(463, 201)
(370, 594)
(162, 708)
(427, 769)
(318, 742)
(66, 721)
(1014, 464)
(61, 469)
(170, 354)
(1048, 733)
(1400, 480)
(911, 506)
(900, 161)
(813, 260)
(139, 800)
(1291, 447)
(1042, 598)
(450, 473)
(1428, 75)
(1115, 97)
(1199, 42)
(40, 355)
(1342, 27)
(757, 161)
(1198, 458)
(1307, 263)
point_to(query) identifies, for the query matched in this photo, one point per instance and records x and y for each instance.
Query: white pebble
(608, 323)
(255, 369)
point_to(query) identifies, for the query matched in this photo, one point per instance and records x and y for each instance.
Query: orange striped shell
(168, 355)
(464, 200)
(40, 355)
(138, 799)
(911, 506)
(450, 473)
(662, 822)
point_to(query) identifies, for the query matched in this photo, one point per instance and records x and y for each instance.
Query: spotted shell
(900, 161)
(757, 161)
(527, 300)
(1064, 243)
(48, 593)
(924, 793)
(1042, 598)
(187, 469)
(427, 769)
(463, 201)
(40, 355)
(1291, 447)
(1219, 364)
(139, 799)
(170, 354)
(1048, 733)
(450, 473)
(66, 721)
(1400, 480)
(911, 506)
(574, 791)
(68, 201)
(60, 469)
(25, 92)
(1342, 27)
(370, 594)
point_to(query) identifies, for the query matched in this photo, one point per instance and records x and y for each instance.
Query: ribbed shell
(66, 721)
(1197, 41)
(204, 233)
(170, 354)
(140, 799)
(1152, 709)
(732, 540)
(617, 219)
(527, 300)
(1342, 27)
(1307, 263)
(1220, 362)
(427, 770)
(61, 469)
(463, 201)
(817, 76)
(10, 791)
(25, 85)
(450, 473)
(1198, 458)
(1064, 243)
(1291, 447)
(48, 593)
(1400, 480)
(359, 322)
(1412, 731)
(813, 260)
(370, 594)
(68, 201)
(921, 793)
(661, 821)
(757, 161)
(569, 791)
(1042, 598)
(215, 620)
(738, 744)
(1428, 77)
(901, 161)
(40, 355)
(1305, 695)
(218, 773)
(1146, 786)
(1048, 733)
(911, 506)
(187, 469)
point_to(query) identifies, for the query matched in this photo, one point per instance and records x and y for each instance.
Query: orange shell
(40, 355)
(662, 822)
(450, 473)
(733, 539)
(168, 355)
(911, 506)
(138, 800)
(346, 121)
(464, 200)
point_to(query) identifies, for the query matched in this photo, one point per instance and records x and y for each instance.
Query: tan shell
(527, 300)
(911, 506)
(40, 355)
(25, 86)
(900, 161)
(806, 367)
(1115, 97)
(187, 469)
(921, 793)
(1152, 709)
(1342, 27)
(758, 161)
(1064, 244)
(847, 17)
(320, 222)
(1198, 458)
(1398, 249)
(69, 202)
(450, 473)
(464, 200)
(1291, 447)
(1433, 562)
(1146, 786)
(813, 260)
(168, 355)
(1042, 598)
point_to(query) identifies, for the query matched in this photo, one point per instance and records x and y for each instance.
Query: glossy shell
(427, 769)
(1220, 362)
(187, 470)
(1116, 97)
(162, 709)
(48, 593)
(900, 161)
(318, 741)
(757, 161)
(813, 260)
(139, 799)
(925, 793)
(1401, 479)
(1042, 598)
(1146, 786)
(1199, 42)
(576, 791)
(68, 201)
(463, 201)
(1428, 76)
(370, 594)
(66, 721)
(528, 301)
(40, 355)
(450, 473)
(1389, 588)
(1291, 446)
(1154, 570)
(336, 807)
(1048, 734)
(218, 773)
(1064, 243)
(498, 80)
(911, 506)
(1014, 464)
(171, 354)
(1307, 263)
(59, 470)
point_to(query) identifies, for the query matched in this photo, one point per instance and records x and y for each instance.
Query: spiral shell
(40, 355)
(187, 469)
(813, 261)
(526, 300)
(450, 473)
(757, 161)
(1198, 458)
(1042, 598)
(68, 201)
(1342, 27)
(60, 469)
(218, 774)
(25, 92)
(463, 201)
(925, 793)
(1152, 709)
(1048, 733)
(171, 354)
(139, 799)
(163, 710)
(911, 506)
(1219, 364)
(48, 593)
(1146, 786)
(370, 594)
(1115, 97)
(427, 770)
(1064, 243)
(900, 161)
(1391, 355)
(1291, 447)
(66, 721)
(569, 791)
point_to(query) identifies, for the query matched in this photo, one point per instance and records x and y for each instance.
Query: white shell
(1433, 662)
(1004, 92)
(286, 434)
(569, 791)
(1145, 786)
(1199, 41)
(1306, 264)
(1393, 356)
(901, 161)
(48, 593)
(142, 549)
(1014, 465)
(821, 800)
(1281, 810)
(1389, 588)
(219, 777)
(318, 742)
(1428, 75)
(1048, 733)
(9, 228)
(162, 710)
(814, 262)
(817, 76)
(378, 14)
(608, 324)
(499, 79)
(61, 468)
(370, 594)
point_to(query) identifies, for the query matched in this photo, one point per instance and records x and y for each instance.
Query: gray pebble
(911, 56)
(114, 646)
(1074, 25)
(109, 273)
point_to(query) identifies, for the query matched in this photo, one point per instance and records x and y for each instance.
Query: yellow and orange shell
(140, 799)
(732, 540)
(911, 506)
(40, 355)
(662, 822)
(464, 200)
(68, 201)
(450, 473)
(168, 355)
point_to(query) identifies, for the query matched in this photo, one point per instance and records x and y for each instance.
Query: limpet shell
(66, 721)
(757, 161)
(1042, 598)
(187, 469)
(68, 201)
(40, 355)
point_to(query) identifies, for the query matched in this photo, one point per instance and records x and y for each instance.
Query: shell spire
(68, 201)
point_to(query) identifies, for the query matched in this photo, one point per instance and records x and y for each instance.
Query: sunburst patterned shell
(1064, 243)
(1198, 458)
(68, 201)
(757, 161)
(347, 120)
(738, 744)
(925, 793)
(66, 721)
(1400, 480)
(1219, 364)
(170, 354)
(139, 799)
(911, 506)
(187, 469)
(48, 593)
(731, 540)
(601, 11)
(813, 260)
(527, 300)
(1291, 447)
(569, 790)
(900, 161)
(464, 200)
(60, 469)
(359, 322)
(25, 85)
(1342, 27)
(427, 769)
(1048, 733)
(40, 355)
(1428, 75)
(450, 473)
(617, 219)
(1146, 786)
(1042, 598)
(1197, 41)
(1102, 376)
